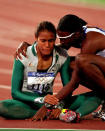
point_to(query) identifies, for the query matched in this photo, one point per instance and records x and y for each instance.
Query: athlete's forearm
(69, 88)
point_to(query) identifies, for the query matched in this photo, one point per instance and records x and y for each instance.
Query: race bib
(40, 82)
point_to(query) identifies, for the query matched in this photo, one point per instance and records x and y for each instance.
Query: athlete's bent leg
(13, 109)
(91, 69)
(85, 103)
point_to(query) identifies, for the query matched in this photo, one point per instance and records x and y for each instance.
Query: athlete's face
(46, 42)
(68, 39)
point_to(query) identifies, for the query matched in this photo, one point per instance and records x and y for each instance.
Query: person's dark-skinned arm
(69, 88)
(21, 50)
(65, 91)
(65, 78)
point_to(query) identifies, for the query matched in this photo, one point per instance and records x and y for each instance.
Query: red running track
(17, 23)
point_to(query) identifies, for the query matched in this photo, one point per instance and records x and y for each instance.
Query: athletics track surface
(18, 19)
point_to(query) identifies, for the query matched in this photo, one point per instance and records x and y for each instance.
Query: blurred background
(92, 3)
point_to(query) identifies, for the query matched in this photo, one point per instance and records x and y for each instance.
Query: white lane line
(5, 86)
(6, 71)
(38, 129)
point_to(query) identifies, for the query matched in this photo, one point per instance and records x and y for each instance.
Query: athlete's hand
(51, 99)
(54, 114)
(41, 114)
(21, 50)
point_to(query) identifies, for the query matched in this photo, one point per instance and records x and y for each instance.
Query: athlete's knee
(3, 108)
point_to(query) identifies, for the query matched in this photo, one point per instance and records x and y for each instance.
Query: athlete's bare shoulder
(94, 42)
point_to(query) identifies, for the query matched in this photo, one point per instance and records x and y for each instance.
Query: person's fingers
(41, 119)
(21, 50)
(51, 99)
(54, 98)
(53, 102)
(40, 115)
(55, 114)
(24, 53)
(18, 55)
(25, 48)
(35, 119)
(51, 117)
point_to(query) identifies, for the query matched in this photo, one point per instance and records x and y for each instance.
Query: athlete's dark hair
(71, 23)
(45, 25)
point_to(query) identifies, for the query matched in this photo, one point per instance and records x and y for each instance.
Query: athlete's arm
(65, 91)
(65, 77)
(17, 83)
(70, 87)
(21, 50)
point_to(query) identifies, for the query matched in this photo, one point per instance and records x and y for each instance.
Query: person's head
(45, 35)
(70, 30)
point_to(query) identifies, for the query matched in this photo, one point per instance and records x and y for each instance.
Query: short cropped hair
(45, 25)
(71, 23)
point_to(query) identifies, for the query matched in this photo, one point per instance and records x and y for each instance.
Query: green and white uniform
(28, 84)
(41, 80)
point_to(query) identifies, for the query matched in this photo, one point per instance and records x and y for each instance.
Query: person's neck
(45, 57)
(80, 40)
